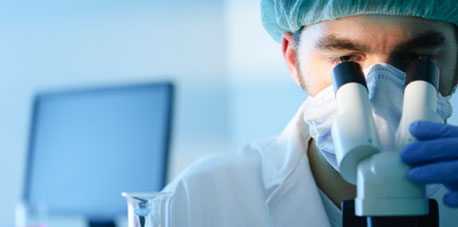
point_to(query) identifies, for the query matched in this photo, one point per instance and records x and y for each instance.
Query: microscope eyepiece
(423, 69)
(347, 72)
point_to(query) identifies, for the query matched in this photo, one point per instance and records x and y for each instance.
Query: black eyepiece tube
(347, 72)
(423, 69)
(430, 220)
(349, 219)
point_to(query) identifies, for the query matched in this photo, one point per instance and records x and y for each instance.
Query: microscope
(385, 197)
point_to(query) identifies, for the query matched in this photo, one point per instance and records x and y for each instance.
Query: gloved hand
(434, 158)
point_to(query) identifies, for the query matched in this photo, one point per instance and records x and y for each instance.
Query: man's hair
(297, 38)
(456, 33)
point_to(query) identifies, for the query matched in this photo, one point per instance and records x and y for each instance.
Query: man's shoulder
(226, 167)
(212, 190)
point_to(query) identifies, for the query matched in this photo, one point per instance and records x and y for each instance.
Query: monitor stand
(102, 224)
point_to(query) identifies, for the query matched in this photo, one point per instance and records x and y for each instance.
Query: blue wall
(51, 44)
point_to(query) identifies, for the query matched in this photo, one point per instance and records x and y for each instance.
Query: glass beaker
(30, 214)
(148, 209)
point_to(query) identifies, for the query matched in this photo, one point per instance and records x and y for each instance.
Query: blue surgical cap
(280, 16)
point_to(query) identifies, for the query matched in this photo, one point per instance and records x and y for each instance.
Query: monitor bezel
(39, 97)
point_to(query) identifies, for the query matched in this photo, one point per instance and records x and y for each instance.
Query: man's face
(372, 39)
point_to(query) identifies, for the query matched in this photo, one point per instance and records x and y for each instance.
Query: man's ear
(289, 52)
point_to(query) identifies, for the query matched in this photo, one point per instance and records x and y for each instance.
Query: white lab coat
(268, 183)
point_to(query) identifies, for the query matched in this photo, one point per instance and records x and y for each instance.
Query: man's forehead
(369, 31)
(374, 24)
(423, 41)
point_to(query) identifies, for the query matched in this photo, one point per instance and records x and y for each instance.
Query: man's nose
(391, 58)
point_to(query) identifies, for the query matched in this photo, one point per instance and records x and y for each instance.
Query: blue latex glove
(434, 158)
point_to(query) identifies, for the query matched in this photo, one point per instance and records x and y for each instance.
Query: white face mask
(386, 86)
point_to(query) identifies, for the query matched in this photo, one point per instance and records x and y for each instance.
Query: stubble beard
(300, 75)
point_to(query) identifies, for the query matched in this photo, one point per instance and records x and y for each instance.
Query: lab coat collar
(292, 196)
(281, 154)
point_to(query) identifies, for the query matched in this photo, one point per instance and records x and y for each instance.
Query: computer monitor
(88, 146)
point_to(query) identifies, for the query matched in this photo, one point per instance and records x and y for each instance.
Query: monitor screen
(88, 146)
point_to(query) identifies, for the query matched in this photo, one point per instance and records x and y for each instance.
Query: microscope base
(349, 219)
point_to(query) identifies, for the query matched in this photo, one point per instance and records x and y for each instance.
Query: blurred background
(231, 83)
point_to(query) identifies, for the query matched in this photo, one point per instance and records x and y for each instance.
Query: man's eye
(420, 56)
(414, 56)
(345, 58)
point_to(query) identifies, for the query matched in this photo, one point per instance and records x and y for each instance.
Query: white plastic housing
(384, 190)
(354, 134)
(382, 185)
(420, 101)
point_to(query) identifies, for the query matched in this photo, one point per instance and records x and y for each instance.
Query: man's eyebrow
(333, 43)
(425, 40)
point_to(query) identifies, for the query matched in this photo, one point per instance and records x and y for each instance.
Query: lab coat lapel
(292, 195)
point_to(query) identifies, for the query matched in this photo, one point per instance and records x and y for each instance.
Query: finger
(424, 152)
(442, 172)
(451, 199)
(425, 130)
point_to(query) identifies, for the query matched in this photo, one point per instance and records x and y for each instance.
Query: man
(291, 180)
